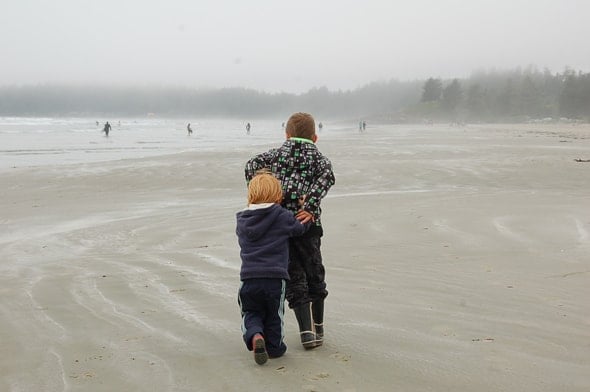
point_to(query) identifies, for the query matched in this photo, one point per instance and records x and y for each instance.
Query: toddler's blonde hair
(264, 188)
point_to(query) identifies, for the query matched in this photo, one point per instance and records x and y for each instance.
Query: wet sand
(457, 259)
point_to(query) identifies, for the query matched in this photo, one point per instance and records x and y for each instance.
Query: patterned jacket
(302, 170)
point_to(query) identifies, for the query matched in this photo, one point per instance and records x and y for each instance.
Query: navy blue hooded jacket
(263, 234)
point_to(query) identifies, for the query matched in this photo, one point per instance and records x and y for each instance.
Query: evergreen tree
(507, 102)
(475, 102)
(451, 97)
(531, 98)
(574, 100)
(432, 90)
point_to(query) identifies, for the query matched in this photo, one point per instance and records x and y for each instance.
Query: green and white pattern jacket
(302, 170)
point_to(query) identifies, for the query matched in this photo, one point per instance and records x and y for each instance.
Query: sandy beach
(457, 259)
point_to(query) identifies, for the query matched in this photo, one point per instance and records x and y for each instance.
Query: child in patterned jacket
(305, 174)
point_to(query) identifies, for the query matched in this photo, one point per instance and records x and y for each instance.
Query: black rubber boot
(306, 327)
(317, 308)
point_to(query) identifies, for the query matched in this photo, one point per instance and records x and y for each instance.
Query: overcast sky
(277, 45)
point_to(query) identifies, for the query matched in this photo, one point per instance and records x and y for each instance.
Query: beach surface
(457, 259)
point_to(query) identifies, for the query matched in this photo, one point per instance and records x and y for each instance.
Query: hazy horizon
(278, 47)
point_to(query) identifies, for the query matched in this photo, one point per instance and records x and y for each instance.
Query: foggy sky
(276, 45)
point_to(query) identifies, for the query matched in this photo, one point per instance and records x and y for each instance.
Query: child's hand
(304, 216)
(302, 200)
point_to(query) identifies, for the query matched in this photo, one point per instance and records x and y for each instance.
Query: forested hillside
(490, 96)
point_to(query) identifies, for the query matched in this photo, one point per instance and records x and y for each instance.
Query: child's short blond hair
(301, 125)
(264, 188)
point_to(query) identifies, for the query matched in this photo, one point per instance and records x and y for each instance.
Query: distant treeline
(50, 100)
(517, 95)
(514, 95)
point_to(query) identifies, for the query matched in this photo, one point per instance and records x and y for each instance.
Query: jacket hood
(255, 223)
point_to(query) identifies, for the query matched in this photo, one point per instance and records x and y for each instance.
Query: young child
(263, 230)
(305, 174)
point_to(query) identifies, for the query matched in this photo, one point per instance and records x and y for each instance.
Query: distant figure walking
(97, 123)
(248, 129)
(189, 129)
(320, 126)
(364, 125)
(106, 129)
(360, 126)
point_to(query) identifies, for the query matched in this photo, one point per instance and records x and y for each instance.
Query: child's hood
(255, 223)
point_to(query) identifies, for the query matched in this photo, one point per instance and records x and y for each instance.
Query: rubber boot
(306, 327)
(317, 308)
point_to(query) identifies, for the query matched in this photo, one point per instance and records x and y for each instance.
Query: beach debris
(281, 369)
(581, 160)
(488, 340)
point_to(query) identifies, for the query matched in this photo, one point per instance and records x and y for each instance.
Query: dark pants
(262, 303)
(306, 270)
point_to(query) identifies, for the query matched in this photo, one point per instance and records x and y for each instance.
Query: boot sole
(312, 344)
(260, 354)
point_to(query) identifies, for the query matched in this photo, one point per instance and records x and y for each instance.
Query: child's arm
(257, 163)
(323, 181)
(302, 215)
(297, 227)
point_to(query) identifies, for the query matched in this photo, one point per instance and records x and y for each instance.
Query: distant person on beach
(320, 126)
(364, 125)
(283, 125)
(97, 123)
(263, 231)
(107, 129)
(248, 129)
(304, 174)
(189, 129)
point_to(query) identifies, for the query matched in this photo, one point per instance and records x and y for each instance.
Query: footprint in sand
(320, 376)
(340, 357)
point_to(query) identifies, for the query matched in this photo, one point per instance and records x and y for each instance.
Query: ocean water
(38, 141)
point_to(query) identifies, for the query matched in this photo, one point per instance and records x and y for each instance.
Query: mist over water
(48, 141)
(34, 141)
